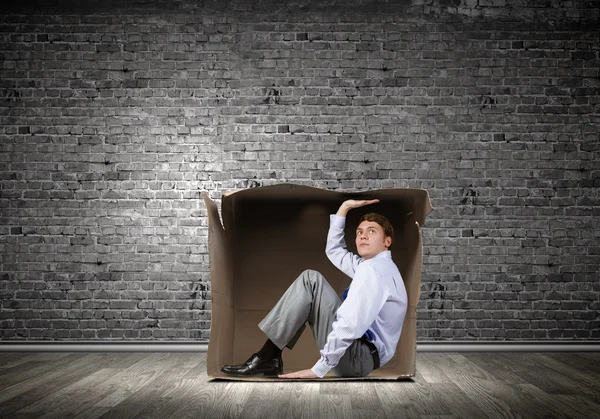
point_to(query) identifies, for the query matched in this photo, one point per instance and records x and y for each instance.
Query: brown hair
(388, 230)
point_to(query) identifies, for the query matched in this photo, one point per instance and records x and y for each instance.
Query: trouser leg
(311, 299)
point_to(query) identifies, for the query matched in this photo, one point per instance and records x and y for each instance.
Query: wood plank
(87, 392)
(267, 400)
(531, 369)
(577, 360)
(301, 399)
(534, 407)
(34, 368)
(583, 405)
(411, 398)
(513, 402)
(480, 382)
(462, 365)
(128, 382)
(35, 388)
(361, 394)
(566, 406)
(157, 378)
(228, 404)
(485, 393)
(496, 368)
(431, 366)
(458, 402)
(15, 358)
(133, 405)
(172, 396)
(179, 395)
(10, 359)
(578, 378)
(198, 370)
(72, 398)
(330, 405)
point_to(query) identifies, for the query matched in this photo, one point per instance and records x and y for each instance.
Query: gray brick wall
(115, 116)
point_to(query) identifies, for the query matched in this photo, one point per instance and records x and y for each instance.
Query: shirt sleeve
(354, 316)
(336, 251)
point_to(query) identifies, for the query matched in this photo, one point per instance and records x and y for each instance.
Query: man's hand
(299, 374)
(354, 203)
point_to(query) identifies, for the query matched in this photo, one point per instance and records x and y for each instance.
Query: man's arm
(354, 316)
(336, 251)
(354, 203)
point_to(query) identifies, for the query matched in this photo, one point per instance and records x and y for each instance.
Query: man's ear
(387, 241)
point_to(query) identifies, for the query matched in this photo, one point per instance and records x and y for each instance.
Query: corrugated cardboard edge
(326, 378)
(421, 195)
(412, 309)
(221, 286)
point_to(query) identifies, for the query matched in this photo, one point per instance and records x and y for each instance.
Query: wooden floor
(175, 385)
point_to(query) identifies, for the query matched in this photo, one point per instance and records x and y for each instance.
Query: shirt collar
(385, 254)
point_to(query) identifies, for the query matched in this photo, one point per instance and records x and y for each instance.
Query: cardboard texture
(268, 236)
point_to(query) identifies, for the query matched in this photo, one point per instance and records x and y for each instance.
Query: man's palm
(356, 203)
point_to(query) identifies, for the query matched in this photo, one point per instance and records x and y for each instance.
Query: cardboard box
(268, 236)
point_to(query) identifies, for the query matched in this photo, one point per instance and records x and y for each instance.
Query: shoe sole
(270, 374)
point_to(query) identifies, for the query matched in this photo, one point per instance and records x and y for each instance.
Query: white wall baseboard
(508, 346)
(422, 346)
(105, 346)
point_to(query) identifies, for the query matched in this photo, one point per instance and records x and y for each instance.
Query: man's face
(371, 240)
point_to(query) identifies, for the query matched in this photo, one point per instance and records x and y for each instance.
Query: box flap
(221, 338)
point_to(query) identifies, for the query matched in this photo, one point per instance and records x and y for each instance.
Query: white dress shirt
(376, 301)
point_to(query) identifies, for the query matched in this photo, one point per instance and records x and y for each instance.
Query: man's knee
(312, 276)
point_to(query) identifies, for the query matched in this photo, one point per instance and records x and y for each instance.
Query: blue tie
(368, 334)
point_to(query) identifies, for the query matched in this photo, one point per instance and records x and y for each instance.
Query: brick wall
(115, 116)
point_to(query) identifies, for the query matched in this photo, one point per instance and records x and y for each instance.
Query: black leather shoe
(256, 366)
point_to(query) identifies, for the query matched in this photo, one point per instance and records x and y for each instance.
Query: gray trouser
(311, 299)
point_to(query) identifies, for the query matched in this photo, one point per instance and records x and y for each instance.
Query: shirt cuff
(320, 368)
(337, 221)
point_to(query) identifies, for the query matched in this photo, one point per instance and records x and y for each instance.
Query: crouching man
(357, 333)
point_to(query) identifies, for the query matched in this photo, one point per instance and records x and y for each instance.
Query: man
(357, 335)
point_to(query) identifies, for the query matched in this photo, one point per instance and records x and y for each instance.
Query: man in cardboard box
(357, 334)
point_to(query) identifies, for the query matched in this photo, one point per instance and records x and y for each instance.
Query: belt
(373, 350)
